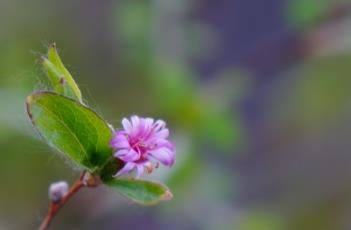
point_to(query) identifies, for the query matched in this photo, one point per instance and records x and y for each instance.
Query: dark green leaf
(110, 168)
(71, 128)
(142, 192)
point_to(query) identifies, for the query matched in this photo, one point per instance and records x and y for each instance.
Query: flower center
(139, 146)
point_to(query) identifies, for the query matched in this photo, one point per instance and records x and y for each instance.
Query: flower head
(142, 144)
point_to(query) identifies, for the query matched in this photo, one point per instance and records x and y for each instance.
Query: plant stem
(84, 180)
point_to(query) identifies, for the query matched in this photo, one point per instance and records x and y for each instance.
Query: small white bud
(57, 191)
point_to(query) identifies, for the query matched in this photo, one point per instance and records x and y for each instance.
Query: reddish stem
(83, 180)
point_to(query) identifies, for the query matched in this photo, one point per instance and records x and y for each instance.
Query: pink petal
(127, 155)
(121, 153)
(135, 121)
(164, 155)
(140, 129)
(127, 125)
(159, 124)
(165, 143)
(148, 123)
(140, 170)
(163, 133)
(135, 124)
(127, 168)
(148, 128)
(120, 141)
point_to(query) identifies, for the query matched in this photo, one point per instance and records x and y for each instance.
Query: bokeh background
(256, 94)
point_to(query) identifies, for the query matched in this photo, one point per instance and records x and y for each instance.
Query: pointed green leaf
(140, 191)
(61, 80)
(55, 77)
(71, 128)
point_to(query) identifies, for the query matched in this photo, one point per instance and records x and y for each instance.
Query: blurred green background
(256, 94)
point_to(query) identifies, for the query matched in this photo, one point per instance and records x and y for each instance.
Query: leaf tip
(52, 51)
(52, 45)
(29, 99)
(167, 196)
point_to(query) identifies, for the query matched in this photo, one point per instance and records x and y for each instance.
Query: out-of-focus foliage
(306, 13)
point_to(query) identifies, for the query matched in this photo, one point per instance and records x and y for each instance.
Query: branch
(84, 180)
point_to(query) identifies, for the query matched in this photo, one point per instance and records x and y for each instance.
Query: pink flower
(141, 144)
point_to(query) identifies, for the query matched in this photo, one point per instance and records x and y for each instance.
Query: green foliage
(319, 96)
(142, 192)
(54, 76)
(305, 13)
(302, 12)
(71, 128)
(261, 220)
(175, 93)
(61, 80)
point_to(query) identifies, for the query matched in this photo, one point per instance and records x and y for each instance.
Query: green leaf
(61, 80)
(306, 12)
(110, 168)
(140, 191)
(55, 77)
(71, 128)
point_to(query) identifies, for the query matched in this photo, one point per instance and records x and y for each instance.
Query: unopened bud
(57, 191)
(90, 180)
